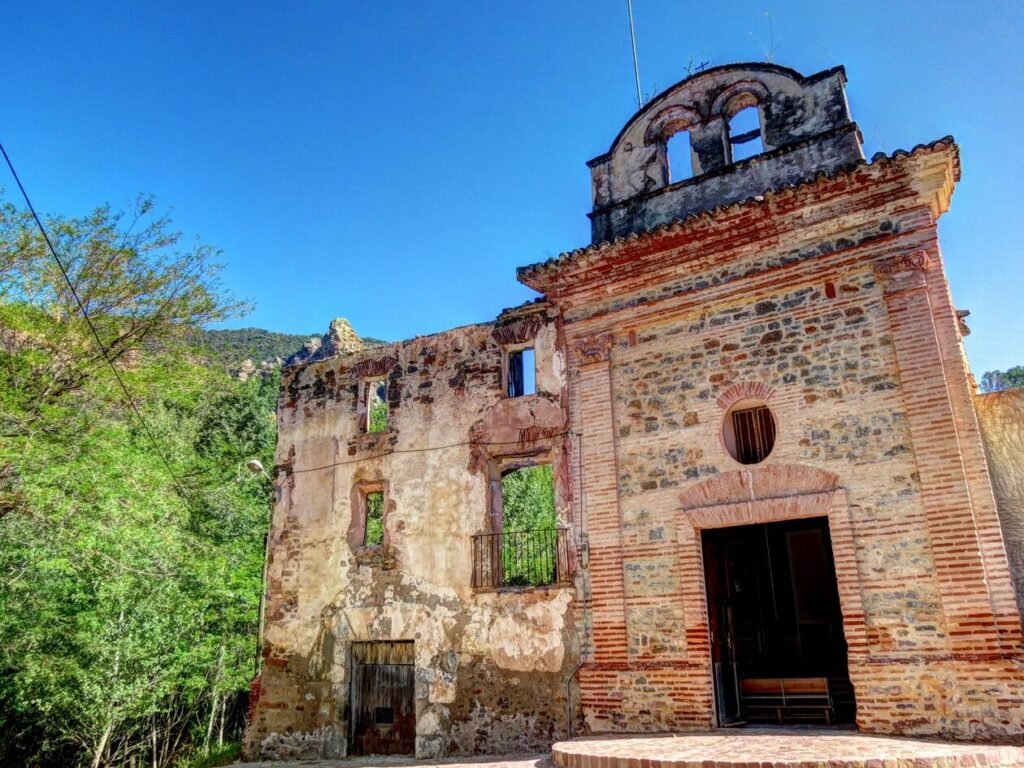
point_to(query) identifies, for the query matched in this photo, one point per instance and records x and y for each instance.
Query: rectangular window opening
(528, 543)
(680, 159)
(745, 137)
(522, 372)
(375, 399)
(374, 511)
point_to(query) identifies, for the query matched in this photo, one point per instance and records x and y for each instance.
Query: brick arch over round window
(744, 390)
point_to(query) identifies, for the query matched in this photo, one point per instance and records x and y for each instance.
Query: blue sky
(393, 162)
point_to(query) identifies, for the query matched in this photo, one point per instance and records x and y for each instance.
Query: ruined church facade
(766, 463)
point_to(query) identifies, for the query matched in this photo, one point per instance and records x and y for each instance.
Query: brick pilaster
(974, 612)
(602, 519)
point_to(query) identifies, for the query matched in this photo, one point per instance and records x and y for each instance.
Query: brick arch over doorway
(767, 494)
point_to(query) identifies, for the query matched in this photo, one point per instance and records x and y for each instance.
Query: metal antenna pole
(636, 63)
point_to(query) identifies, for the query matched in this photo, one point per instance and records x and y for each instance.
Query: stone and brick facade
(806, 279)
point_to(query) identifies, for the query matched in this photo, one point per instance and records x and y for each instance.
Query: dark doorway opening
(382, 696)
(777, 644)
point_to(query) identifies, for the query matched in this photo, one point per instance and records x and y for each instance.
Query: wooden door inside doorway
(382, 699)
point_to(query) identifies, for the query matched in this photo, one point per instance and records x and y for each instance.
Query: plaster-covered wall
(805, 128)
(491, 666)
(1001, 417)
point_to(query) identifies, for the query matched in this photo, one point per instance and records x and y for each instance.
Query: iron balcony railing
(521, 558)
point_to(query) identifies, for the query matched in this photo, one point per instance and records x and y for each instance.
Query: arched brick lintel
(768, 482)
(742, 391)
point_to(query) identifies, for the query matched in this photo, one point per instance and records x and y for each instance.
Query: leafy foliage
(528, 524)
(996, 381)
(528, 498)
(128, 602)
(378, 408)
(374, 519)
(231, 347)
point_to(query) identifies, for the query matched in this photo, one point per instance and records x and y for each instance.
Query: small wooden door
(383, 699)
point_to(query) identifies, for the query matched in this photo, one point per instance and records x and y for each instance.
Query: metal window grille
(521, 558)
(754, 434)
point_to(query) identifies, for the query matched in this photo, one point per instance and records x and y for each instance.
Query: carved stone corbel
(903, 272)
(593, 349)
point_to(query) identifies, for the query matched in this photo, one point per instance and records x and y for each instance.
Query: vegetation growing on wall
(130, 555)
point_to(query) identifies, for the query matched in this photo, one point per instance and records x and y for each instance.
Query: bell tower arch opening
(680, 156)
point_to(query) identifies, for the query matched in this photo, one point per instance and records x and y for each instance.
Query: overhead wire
(130, 400)
(464, 443)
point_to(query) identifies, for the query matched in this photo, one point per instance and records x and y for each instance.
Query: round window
(749, 431)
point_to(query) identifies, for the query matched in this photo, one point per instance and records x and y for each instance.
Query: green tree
(996, 381)
(128, 599)
(529, 521)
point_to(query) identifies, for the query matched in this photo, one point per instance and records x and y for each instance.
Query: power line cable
(473, 443)
(179, 488)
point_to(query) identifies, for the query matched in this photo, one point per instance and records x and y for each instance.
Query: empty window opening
(528, 498)
(749, 432)
(680, 159)
(522, 372)
(745, 134)
(528, 545)
(384, 715)
(373, 505)
(375, 398)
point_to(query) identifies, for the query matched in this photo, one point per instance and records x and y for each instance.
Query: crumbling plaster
(449, 416)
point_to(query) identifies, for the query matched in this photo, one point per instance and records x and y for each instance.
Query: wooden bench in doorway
(786, 698)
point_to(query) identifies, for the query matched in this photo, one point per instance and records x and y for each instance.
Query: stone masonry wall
(491, 666)
(825, 298)
(829, 301)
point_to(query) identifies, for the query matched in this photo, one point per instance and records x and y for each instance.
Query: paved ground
(754, 748)
(493, 761)
(746, 748)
